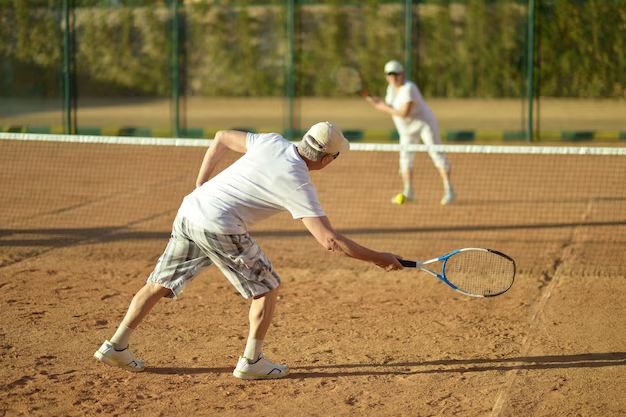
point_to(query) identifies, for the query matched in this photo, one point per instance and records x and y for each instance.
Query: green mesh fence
(175, 68)
(31, 63)
(580, 59)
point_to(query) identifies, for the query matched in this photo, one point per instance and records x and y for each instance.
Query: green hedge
(472, 48)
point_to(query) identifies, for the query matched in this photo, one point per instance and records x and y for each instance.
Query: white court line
(503, 395)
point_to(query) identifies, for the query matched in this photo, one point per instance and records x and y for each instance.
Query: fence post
(530, 67)
(408, 37)
(175, 68)
(289, 85)
(68, 68)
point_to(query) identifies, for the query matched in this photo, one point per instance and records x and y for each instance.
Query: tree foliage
(471, 48)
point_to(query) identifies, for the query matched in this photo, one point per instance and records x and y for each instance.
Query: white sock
(254, 347)
(121, 336)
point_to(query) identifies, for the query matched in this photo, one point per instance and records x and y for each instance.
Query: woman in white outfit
(415, 122)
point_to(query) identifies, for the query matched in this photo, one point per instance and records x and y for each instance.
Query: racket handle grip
(409, 264)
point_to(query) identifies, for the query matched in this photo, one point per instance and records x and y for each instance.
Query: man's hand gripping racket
(472, 271)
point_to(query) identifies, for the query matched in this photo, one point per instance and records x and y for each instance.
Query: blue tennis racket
(476, 272)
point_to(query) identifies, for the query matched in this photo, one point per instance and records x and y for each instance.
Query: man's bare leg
(116, 352)
(253, 365)
(260, 317)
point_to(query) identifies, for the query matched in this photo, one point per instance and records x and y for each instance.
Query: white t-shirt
(408, 92)
(269, 178)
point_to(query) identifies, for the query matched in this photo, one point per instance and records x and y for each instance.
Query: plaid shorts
(191, 249)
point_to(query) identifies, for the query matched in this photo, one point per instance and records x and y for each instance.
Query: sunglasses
(393, 74)
(336, 155)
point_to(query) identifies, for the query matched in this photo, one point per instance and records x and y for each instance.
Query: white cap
(326, 137)
(395, 67)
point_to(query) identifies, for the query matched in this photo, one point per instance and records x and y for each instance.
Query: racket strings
(348, 79)
(480, 272)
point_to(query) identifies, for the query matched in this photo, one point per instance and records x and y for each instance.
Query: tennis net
(548, 207)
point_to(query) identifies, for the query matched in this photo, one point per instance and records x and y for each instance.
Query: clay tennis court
(82, 226)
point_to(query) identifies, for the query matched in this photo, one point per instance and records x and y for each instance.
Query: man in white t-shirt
(212, 225)
(414, 121)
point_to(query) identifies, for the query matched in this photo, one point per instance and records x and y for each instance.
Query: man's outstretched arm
(333, 241)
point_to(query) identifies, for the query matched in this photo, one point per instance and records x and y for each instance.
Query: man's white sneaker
(448, 197)
(122, 358)
(262, 368)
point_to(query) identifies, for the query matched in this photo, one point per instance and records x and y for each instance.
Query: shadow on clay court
(583, 360)
(70, 236)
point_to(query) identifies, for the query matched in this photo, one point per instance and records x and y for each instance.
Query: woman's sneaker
(262, 368)
(122, 358)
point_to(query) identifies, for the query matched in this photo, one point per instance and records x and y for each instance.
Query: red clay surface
(83, 225)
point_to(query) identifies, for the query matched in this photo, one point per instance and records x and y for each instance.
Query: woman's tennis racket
(348, 80)
(473, 271)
